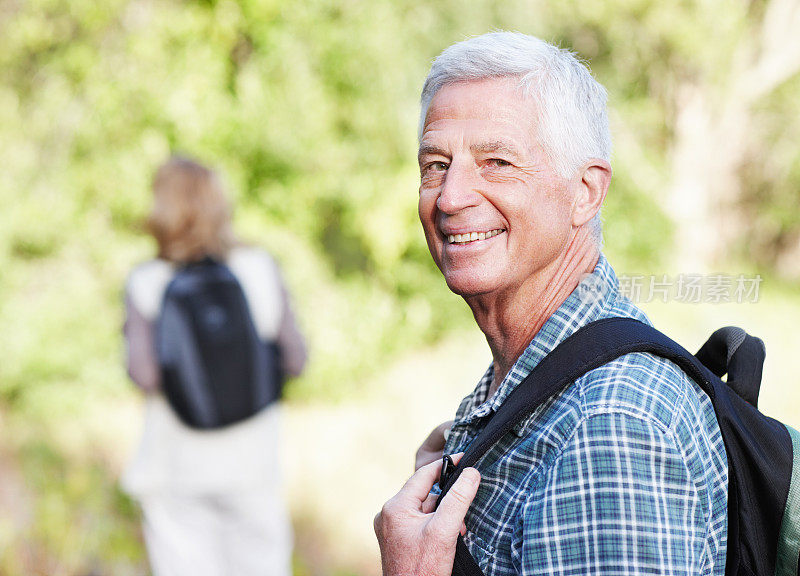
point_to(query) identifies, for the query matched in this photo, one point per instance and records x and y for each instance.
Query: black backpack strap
(733, 351)
(463, 563)
(590, 347)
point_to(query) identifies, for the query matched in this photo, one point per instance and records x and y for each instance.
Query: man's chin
(468, 287)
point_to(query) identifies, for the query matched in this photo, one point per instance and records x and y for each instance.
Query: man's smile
(473, 236)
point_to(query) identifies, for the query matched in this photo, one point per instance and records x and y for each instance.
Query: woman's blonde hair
(191, 215)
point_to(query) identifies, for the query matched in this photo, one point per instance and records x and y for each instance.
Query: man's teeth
(472, 236)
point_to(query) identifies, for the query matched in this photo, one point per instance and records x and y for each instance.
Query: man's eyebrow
(430, 150)
(492, 147)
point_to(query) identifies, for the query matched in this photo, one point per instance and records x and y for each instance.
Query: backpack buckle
(447, 470)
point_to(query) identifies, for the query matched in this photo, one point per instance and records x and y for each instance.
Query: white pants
(217, 535)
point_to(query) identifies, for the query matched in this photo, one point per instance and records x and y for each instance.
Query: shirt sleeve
(618, 500)
(140, 355)
(290, 340)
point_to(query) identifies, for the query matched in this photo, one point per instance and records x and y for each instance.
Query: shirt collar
(594, 295)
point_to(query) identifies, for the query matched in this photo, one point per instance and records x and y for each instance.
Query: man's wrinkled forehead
(481, 96)
(485, 111)
(514, 83)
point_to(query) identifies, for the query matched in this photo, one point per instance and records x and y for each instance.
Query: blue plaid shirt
(624, 472)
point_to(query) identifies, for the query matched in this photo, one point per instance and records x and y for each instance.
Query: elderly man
(624, 472)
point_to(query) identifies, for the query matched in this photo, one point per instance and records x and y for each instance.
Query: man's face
(495, 214)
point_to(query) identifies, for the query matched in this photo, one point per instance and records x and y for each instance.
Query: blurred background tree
(310, 111)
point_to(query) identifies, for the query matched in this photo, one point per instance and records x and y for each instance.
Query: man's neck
(510, 321)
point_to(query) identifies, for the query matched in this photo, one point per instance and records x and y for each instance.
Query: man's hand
(415, 539)
(431, 449)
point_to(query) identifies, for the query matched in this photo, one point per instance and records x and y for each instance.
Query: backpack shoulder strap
(590, 347)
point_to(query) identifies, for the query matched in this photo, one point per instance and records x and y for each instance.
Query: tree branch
(778, 55)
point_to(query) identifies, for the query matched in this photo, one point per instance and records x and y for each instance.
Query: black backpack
(215, 370)
(763, 454)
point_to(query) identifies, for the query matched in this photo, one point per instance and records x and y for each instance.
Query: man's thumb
(450, 515)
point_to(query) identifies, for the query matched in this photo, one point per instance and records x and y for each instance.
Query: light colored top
(172, 457)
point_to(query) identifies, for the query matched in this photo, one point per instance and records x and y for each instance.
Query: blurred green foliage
(309, 109)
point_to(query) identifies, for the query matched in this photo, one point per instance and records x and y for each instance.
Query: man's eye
(498, 162)
(434, 167)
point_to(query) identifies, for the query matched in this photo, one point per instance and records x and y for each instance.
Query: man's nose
(460, 189)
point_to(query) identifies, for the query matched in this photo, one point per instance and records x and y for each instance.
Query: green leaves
(310, 111)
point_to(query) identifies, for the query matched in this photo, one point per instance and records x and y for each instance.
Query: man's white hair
(570, 105)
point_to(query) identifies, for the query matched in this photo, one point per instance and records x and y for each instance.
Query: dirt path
(342, 462)
(16, 502)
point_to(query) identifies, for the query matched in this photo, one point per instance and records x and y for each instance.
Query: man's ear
(595, 177)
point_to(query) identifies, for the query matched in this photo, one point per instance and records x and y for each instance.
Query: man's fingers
(430, 503)
(449, 517)
(416, 488)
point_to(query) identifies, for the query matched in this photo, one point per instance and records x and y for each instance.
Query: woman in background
(211, 500)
